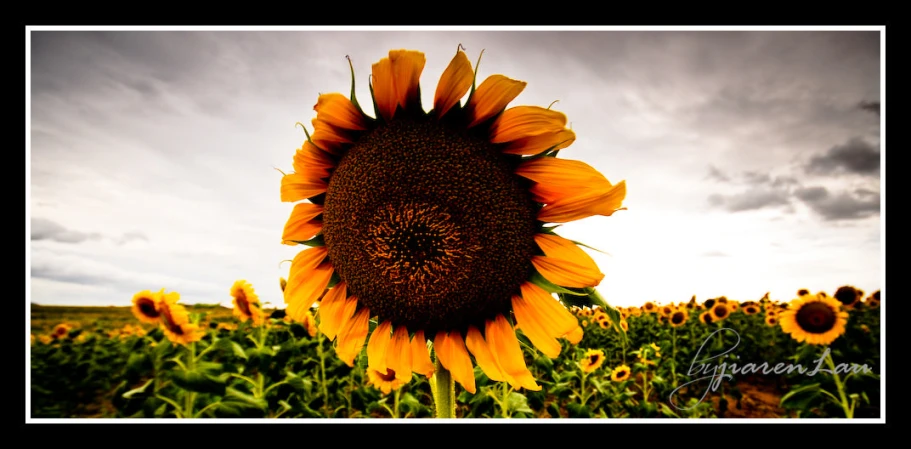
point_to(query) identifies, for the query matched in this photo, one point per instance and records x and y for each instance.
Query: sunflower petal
(557, 247)
(556, 179)
(504, 346)
(328, 137)
(453, 85)
(533, 145)
(574, 336)
(491, 97)
(548, 312)
(312, 162)
(378, 345)
(565, 273)
(530, 321)
(526, 121)
(332, 311)
(296, 187)
(301, 226)
(352, 336)
(396, 81)
(595, 202)
(398, 354)
(337, 110)
(420, 355)
(478, 347)
(307, 289)
(452, 354)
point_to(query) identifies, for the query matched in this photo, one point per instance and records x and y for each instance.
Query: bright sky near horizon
(752, 158)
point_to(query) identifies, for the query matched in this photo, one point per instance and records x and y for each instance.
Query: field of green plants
(661, 361)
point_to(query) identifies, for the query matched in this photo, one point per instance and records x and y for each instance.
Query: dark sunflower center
(147, 307)
(721, 311)
(816, 317)
(388, 376)
(677, 318)
(169, 322)
(243, 304)
(593, 359)
(428, 225)
(846, 295)
(709, 304)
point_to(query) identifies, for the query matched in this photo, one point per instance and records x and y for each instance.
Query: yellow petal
(420, 355)
(302, 226)
(337, 110)
(478, 347)
(454, 357)
(574, 336)
(565, 273)
(332, 311)
(296, 187)
(595, 202)
(352, 336)
(526, 121)
(301, 298)
(557, 247)
(453, 85)
(532, 145)
(504, 346)
(328, 137)
(491, 97)
(303, 263)
(556, 179)
(527, 317)
(398, 354)
(547, 311)
(311, 162)
(396, 80)
(377, 346)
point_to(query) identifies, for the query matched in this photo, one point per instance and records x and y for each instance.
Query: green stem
(443, 391)
(845, 405)
(674, 356)
(322, 372)
(189, 396)
(584, 394)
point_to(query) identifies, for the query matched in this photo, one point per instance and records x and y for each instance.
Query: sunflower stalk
(674, 356)
(847, 407)
(189, 396)
(443, 391)
(322, 372)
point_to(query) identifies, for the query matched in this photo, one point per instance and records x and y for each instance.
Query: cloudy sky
(752, 159)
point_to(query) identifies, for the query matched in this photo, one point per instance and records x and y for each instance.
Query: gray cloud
(717, 175)
(44, 229)
(870, 106)
(842, 206)
(759, 198)
(752, 177)
(856, 156)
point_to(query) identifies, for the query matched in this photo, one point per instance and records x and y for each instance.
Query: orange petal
(595, 202)
(574, 336)
(556, 179)
(452, 354)
(565, 273)
(396, 80)
(530, 321)
(303, 263)
(296, 187)
(532, 145)
(312, 162)
(377, 346)
(557, 247)
(547, 311)
(492, 96)
(302, 226)
(453, 85)
(420, 356)
(328, 137)
(398, 354)
(337, 110)
(308, 287)
(504, 346)
(332, 311)
(352, 336)
(482, 355)
(526, 121)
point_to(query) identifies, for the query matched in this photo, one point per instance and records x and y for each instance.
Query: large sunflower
(678, 318)
(592, 360)
(433, 224)
(814, 319)
(175, 321)
(246, 303)
(720, 311)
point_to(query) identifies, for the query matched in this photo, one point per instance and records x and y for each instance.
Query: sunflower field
(253, 363)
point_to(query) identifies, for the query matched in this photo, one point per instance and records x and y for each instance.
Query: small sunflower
(584, 323)
(802, 292)
(635, 311)
(721, 299)
(814, 319)
(771, 320)
(733, 305)
(709, 303)
(592, 360)
(624, 325)
(666, 311)
(620, 373)
(872, 301)
(848, 296)
(751, 309)
(175, 321)
(61, 330)
(282, 283)
(385, 381)
(720, 311)
(145, 306)
(649, 307)
(678, 318)
(309, 323)
(246, 303)
(45, 339)
(604, 323)
(705, 317)
(433, 224)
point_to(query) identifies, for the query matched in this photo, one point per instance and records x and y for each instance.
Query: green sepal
(376, 109)
(548, 229)
(334, 280)
(353, 97)
(315, 241)
(475, 78)
(540, 281)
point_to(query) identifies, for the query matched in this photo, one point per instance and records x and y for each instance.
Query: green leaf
(811, 388)
(518, 403)
(197, 381)
(138, 390)
(236, 395)
(578, 410)
(234, 347)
